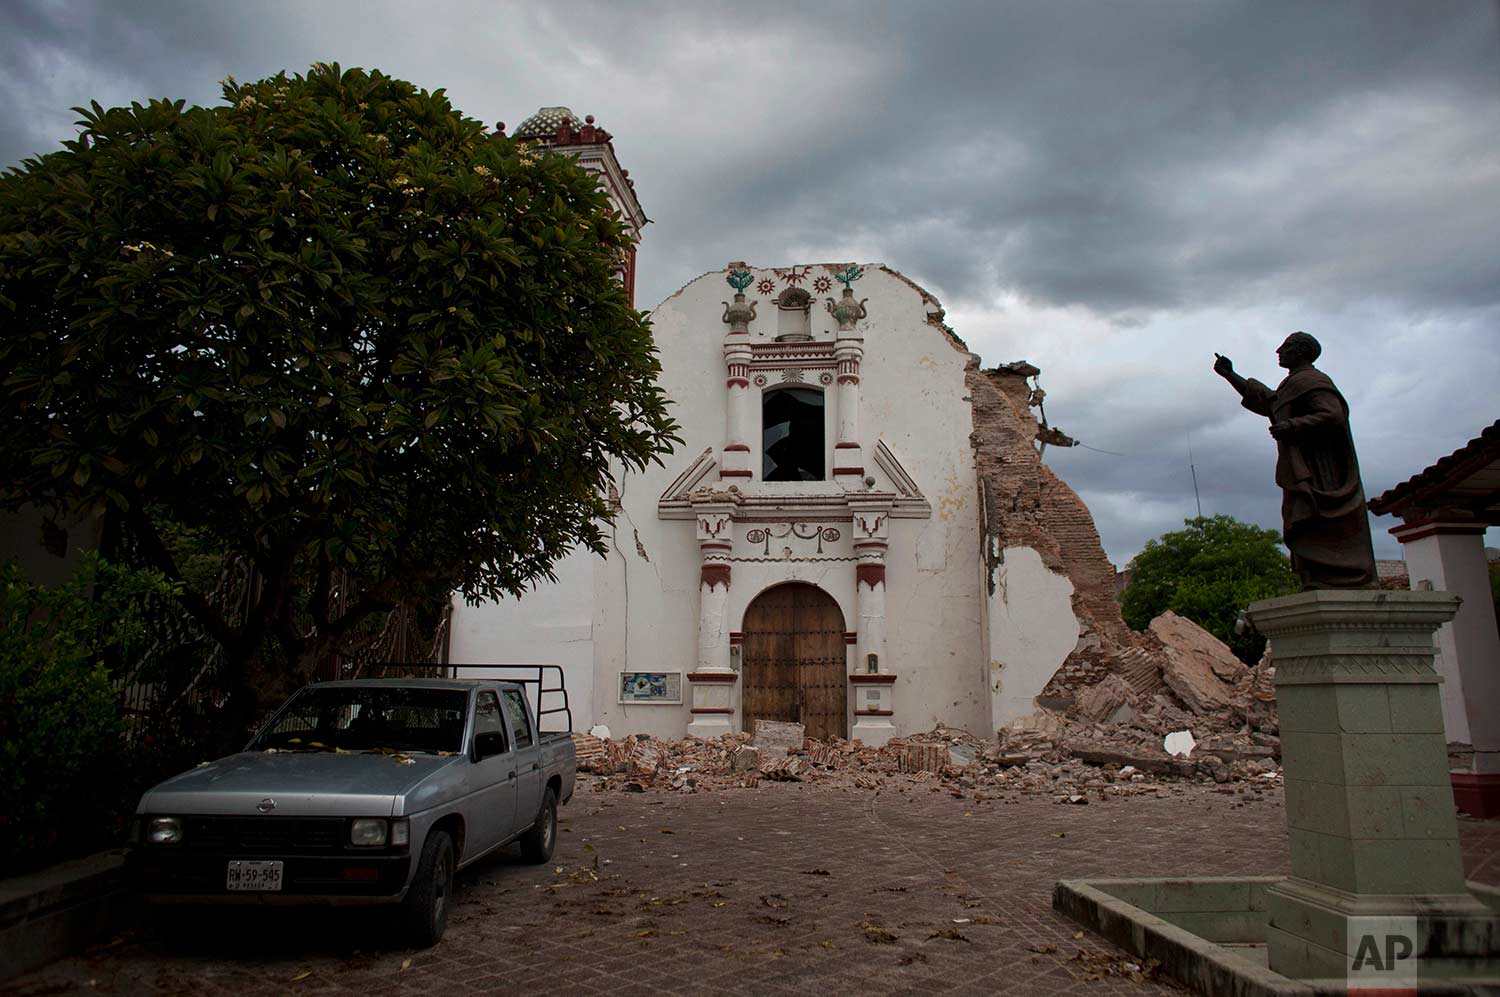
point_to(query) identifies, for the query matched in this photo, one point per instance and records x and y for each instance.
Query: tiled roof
(1468, 468)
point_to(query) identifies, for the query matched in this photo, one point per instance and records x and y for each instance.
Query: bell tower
(559, 129)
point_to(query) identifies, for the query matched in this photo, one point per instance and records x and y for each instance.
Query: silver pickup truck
(373, 791)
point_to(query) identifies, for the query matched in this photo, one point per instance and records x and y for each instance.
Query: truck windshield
(361, 718)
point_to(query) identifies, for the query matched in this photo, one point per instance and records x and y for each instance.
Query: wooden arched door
(793, 660)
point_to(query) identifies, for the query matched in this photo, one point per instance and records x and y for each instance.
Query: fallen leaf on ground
(1043, 949)
(302, 975)
(952, 934)
(405, 965)
(816, 872)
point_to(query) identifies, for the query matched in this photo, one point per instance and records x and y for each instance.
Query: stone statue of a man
(1323, 518)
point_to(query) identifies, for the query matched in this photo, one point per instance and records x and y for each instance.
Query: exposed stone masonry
(1024, 504)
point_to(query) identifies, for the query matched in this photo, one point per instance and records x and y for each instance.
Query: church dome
(544, 123)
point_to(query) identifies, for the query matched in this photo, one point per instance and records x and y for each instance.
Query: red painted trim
(848, 470)
(737, 448)
(712, 709)
(1478, 794)
(737, 382)
(1407, 532)
(714, 573)
(736, 637)
(850, 637)
(731, 473)
(712, 677)
(869, 574)
(874, 713)
(846, 445)
(872, 678)
(882, 544)
(848, 378)
(715, 545)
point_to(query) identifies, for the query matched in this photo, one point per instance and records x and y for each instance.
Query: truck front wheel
(541, 838)
(424, 913)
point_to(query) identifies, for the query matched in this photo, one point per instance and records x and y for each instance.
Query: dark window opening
(792, 441)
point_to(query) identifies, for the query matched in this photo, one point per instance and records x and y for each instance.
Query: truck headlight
(367, 832)
(164, 831)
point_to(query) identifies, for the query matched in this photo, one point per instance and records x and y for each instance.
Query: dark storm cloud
(1112, 190)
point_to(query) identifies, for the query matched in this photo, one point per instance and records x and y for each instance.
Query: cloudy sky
(1110, 190)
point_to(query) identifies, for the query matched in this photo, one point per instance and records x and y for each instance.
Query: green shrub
(61, 749)
(1209, 572)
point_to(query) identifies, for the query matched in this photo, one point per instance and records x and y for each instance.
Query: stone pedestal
(712, 708)
(1370, 816)
(873, 709)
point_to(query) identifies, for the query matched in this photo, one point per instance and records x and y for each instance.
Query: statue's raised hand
(1223, 366)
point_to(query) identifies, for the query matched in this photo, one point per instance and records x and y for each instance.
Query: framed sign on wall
(651, 687)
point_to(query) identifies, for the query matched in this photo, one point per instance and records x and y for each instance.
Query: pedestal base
(1377, 884)
(712, 703)
(710, 725)
(1316, 932)
(873, 731)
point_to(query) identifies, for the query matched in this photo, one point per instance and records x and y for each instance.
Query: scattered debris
(1190, 713)
(951, 934)
(744, 759)
(774, 737)
(1179, 742)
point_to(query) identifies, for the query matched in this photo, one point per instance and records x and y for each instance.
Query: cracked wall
(1026, 507)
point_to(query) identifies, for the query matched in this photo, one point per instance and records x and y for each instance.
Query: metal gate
(793, 664)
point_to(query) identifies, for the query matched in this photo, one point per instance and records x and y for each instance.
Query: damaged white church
(858, 532)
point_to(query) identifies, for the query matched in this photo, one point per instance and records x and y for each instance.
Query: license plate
(264, 877)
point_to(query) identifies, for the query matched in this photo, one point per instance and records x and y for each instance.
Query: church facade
(857, 532)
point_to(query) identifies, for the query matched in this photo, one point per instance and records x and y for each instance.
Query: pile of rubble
(1212, 720)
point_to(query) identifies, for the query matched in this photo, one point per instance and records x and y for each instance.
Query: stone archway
(793, 664)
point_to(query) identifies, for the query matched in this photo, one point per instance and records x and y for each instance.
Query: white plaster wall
(646, 610)
(912, 397)
(1031, 631)
(551, 625)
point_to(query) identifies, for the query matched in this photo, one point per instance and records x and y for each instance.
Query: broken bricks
(1050, 755)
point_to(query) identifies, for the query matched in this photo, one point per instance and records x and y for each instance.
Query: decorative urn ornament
(739, 314)
(846, 311)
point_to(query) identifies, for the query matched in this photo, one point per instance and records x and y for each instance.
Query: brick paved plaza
(784, 888)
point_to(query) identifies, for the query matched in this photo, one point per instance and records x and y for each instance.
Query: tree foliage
(334, 327)
(1209, 572)
(60, 726)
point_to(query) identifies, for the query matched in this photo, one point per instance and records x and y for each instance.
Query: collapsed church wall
(1027, 507)
(1052, 626)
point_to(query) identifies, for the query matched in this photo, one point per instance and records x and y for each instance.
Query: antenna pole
(1194, 471)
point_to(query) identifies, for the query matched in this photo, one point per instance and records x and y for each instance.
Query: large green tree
(337, 328)
(1209, 572)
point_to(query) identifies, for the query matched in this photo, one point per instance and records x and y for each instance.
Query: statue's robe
(1323, 517)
